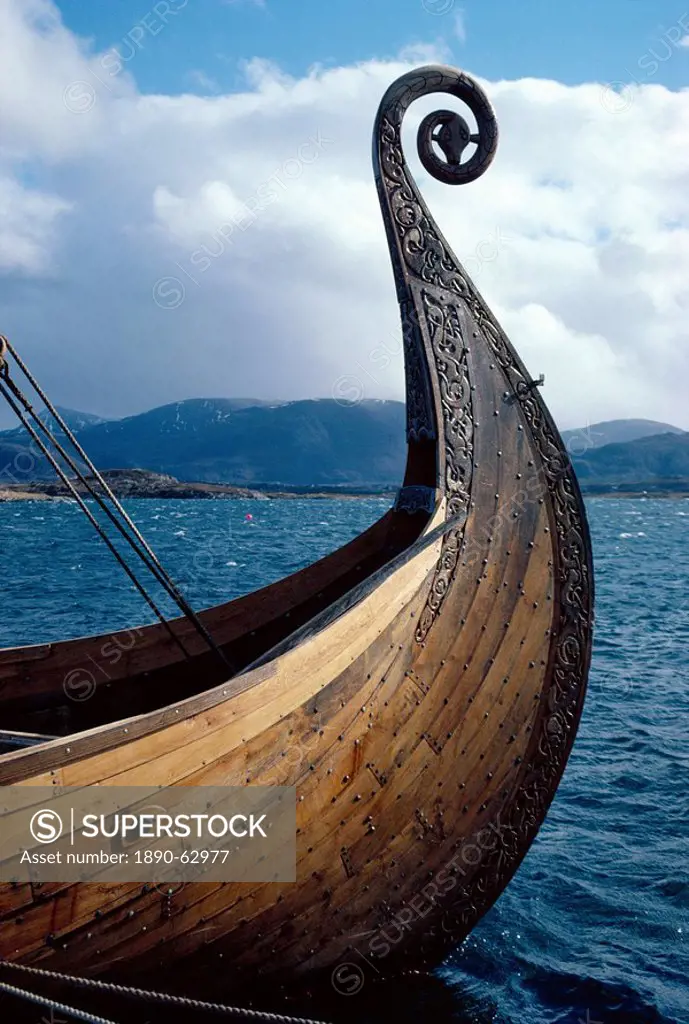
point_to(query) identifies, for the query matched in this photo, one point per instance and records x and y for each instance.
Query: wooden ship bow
(421, 687)
(504, 638)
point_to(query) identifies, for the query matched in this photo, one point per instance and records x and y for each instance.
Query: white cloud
(27, 227)
(460, 25)
(584, 215)
(684, 41)
(202, 80)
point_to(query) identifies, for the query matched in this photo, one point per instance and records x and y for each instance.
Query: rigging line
(148, 556)
(89, 515)
(52, 1004)
(164, 998)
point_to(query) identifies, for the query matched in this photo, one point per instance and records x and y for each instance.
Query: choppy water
(595, 926)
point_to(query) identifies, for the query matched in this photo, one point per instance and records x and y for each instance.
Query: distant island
(127, 483)
(225, 448)
(140, 483)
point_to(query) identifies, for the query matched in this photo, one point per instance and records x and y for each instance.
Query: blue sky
(201, 44)
(112, 183)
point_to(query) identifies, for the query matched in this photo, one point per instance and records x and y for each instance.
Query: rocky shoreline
(140, 483)
(16, 494)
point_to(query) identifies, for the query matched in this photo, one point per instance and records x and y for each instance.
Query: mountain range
(322, 442)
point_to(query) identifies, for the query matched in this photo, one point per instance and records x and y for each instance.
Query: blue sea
(594, 929)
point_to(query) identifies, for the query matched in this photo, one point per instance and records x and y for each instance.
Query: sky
(136, 136)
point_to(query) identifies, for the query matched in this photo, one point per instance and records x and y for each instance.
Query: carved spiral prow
(446, 128)
(425, 267)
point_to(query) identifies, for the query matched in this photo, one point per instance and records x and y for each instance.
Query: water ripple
(593, 929)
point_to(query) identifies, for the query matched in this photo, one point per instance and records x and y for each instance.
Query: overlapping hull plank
(425, 720)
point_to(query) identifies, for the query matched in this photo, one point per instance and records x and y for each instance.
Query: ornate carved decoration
(415, 498)
(571, 650)
(441, 320)
(431, 285)
(437, 298)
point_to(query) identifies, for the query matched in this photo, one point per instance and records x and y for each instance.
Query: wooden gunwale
(142, 669)
(35, 762)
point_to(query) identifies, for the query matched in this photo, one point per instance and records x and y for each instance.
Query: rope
(51, 1004)
(87, 512)
(159, 997)
(144, 551)
(148, 556)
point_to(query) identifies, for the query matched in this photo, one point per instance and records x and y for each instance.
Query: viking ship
(421, 687)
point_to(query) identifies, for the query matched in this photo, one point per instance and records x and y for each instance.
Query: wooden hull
(425, 721)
